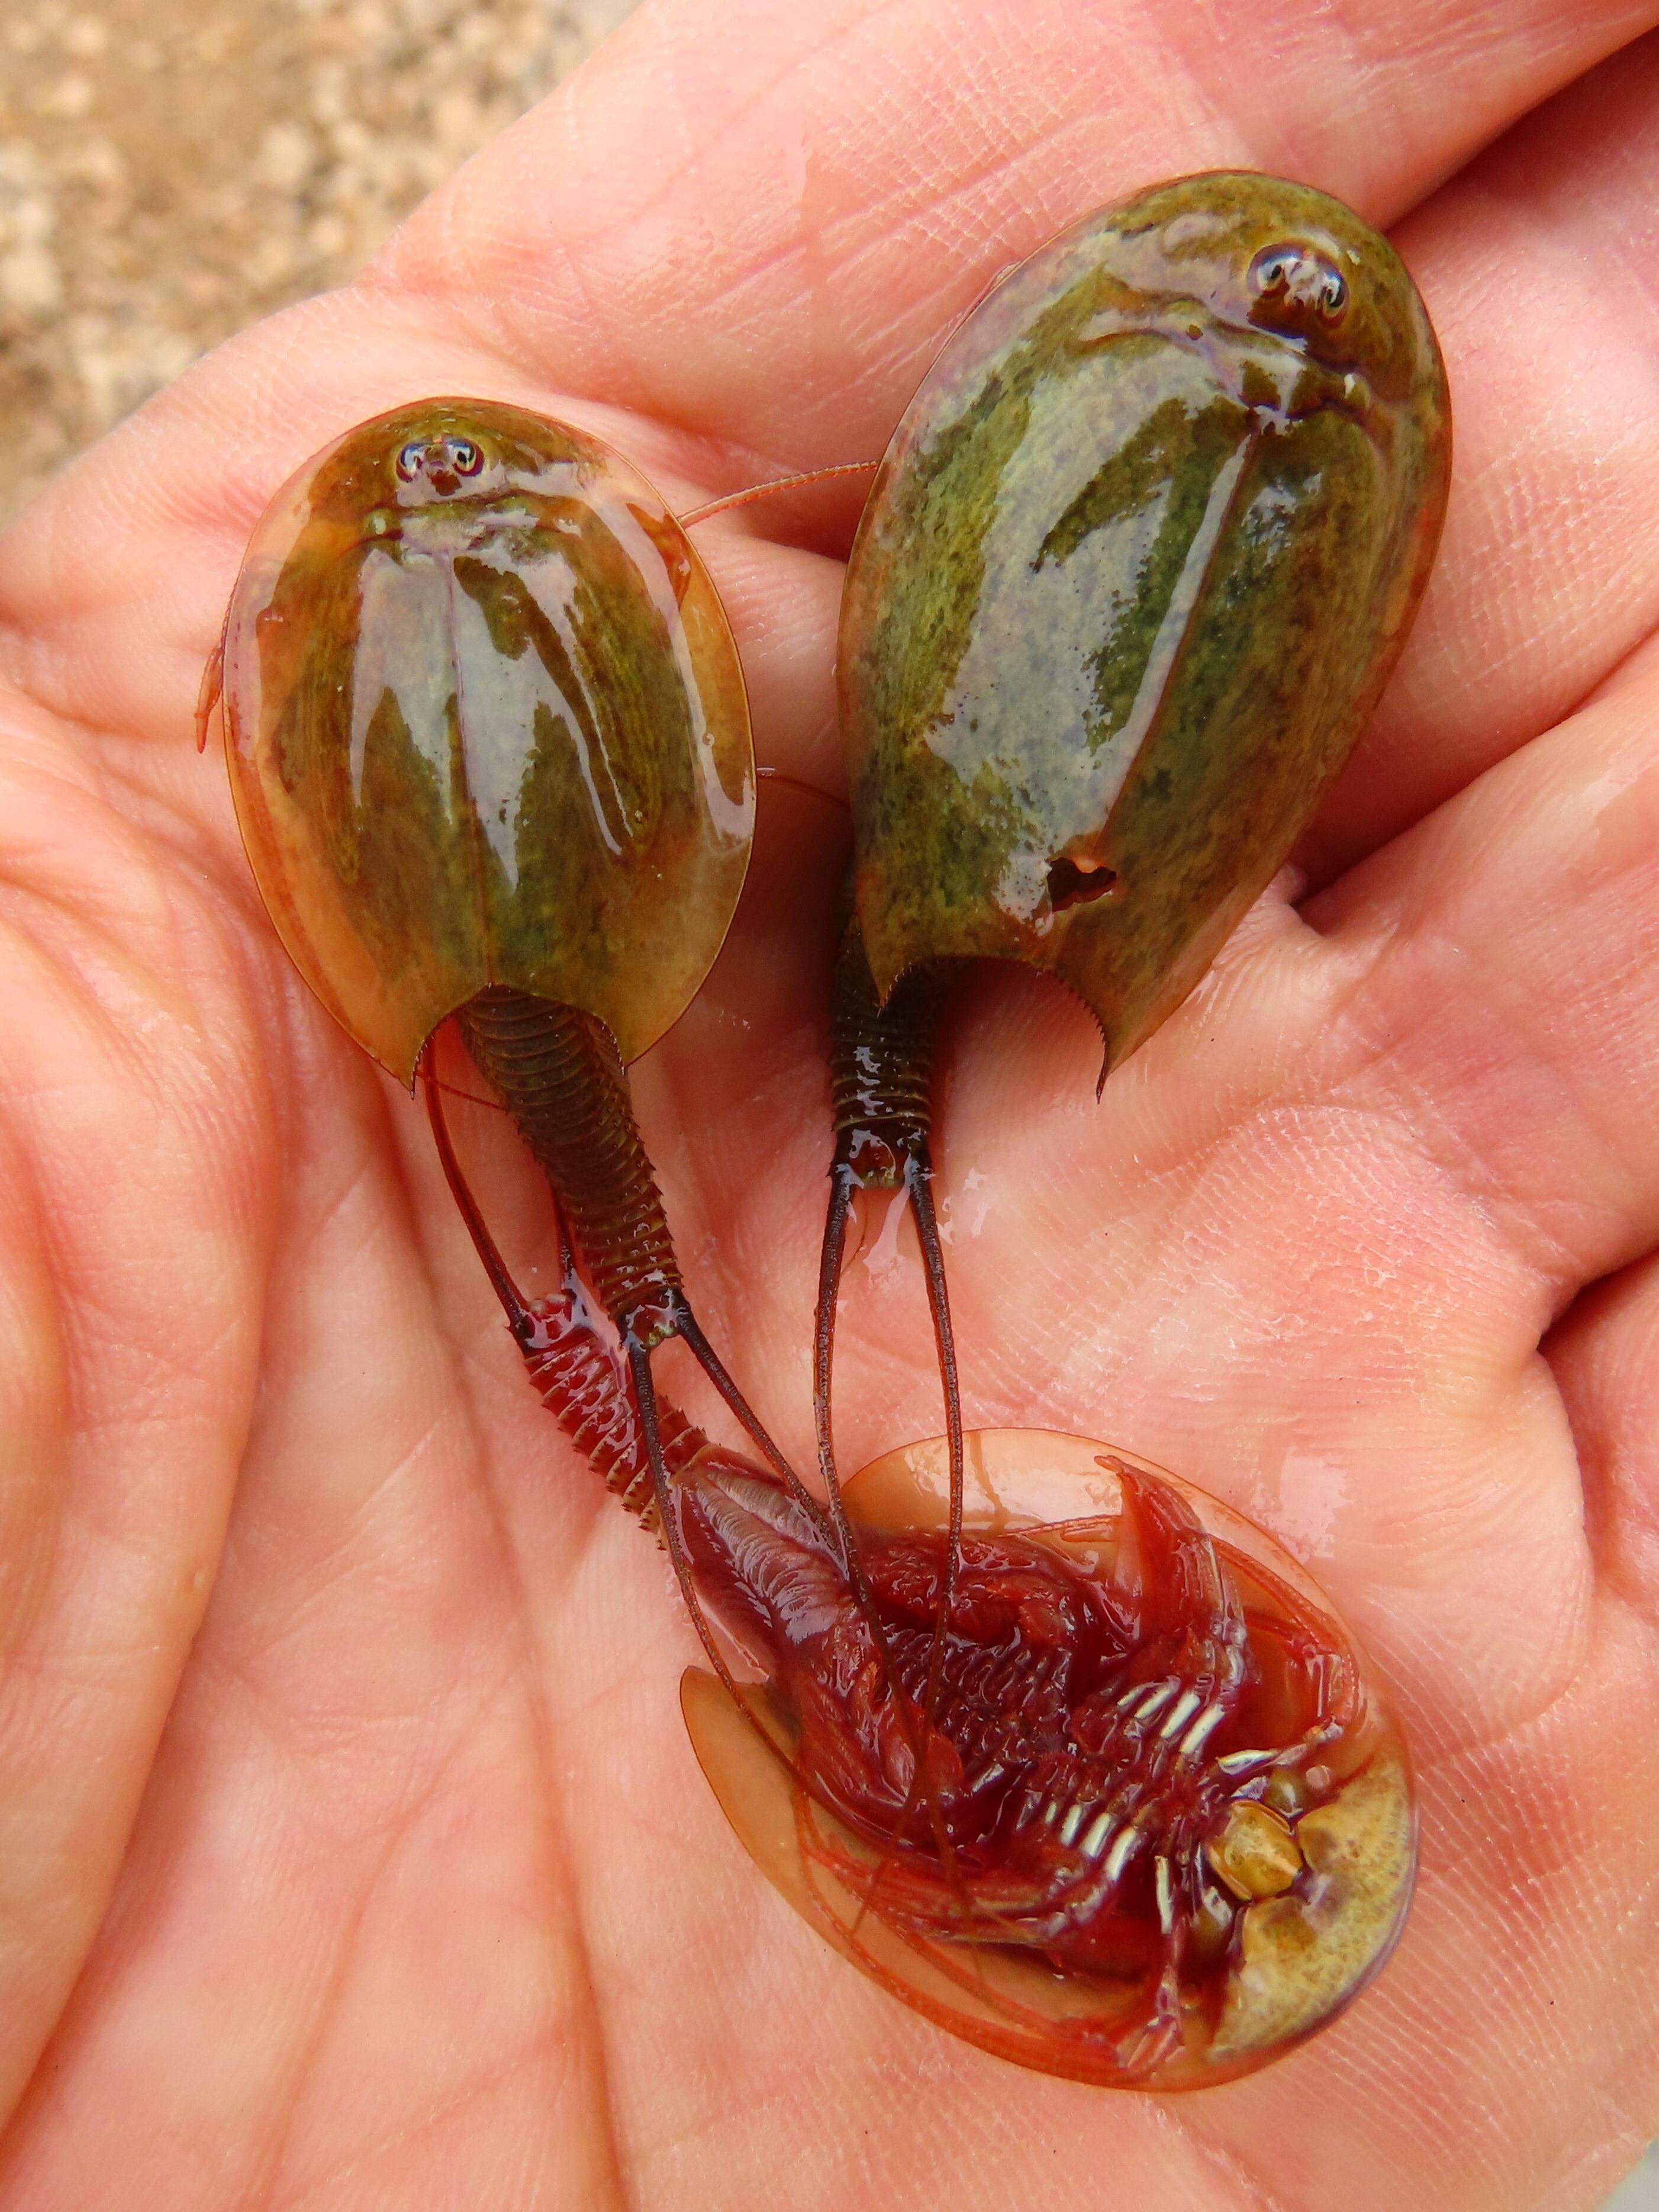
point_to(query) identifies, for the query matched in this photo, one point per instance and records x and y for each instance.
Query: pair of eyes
(460, 454)
(1287, 275)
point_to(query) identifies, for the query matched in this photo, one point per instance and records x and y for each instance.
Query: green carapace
(1138, 561)
(486, 726)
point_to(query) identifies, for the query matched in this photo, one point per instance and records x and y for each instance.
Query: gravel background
(171, 170)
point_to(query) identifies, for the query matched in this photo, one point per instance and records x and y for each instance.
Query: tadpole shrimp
(489, 746)
(1140, 558)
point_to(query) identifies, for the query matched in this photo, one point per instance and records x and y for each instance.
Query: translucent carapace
(1161, 1828)
(486, 726)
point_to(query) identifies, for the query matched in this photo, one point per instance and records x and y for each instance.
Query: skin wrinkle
(366, 1503)
(605, 2039)
(127, 942)
(1385, 1048)
(674, 188)
(1446, 1760)
(414, 1733)
(32, 1579)
(1609, 1480)
(159, 814)
(58, 898)
(972, 244)
(542, 1727)
(321, 1129)
(1568, 1267)
(320, 2015)
(1239, 2173)
(1587, 205)
(1278, 147)
(1297, 1115)
(1546, 1257)
(237, 1667)
(1563, 519)
(87, 1320)
(445, 2109)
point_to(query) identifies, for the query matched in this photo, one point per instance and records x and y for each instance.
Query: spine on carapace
(557, 1069)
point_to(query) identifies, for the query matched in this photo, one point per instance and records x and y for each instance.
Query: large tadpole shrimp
(1138, 560)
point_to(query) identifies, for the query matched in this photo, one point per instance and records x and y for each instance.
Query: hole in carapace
(1078, 883)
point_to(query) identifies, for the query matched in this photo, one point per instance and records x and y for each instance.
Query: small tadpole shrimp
(1137, 562)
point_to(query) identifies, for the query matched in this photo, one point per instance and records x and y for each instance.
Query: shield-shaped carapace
(1141, 556)
(486, 726)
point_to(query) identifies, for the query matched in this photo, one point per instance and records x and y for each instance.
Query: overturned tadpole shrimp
(1146, 1823)
(1140, 1818)
(1137, 562)
(489, 740)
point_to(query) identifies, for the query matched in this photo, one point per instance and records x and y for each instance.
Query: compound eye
(1270, 272)
(1295, 285)
(410, 459)
(465, 456)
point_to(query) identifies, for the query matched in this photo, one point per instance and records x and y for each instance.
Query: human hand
(351, 1851)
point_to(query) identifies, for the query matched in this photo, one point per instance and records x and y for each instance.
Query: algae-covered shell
(1138, 560)
(486, 724)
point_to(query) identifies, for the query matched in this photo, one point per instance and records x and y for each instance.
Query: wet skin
(353, 1851)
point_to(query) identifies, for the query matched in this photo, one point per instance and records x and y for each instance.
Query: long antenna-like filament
(919, 1187)
(501, 1281)
(730, 500)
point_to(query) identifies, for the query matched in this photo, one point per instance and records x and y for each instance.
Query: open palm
(351, 1851)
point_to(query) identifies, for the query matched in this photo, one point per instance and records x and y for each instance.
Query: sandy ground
(171, 170)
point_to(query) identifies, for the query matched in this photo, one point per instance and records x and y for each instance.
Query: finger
(770, 271)
(130, 1282)
(774, 261)
(1509, 1009)
(1534, 262)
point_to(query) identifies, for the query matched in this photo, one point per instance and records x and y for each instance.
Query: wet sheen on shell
(1139, 559)
(486, 728)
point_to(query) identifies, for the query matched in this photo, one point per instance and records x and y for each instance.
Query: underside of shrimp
(1109, 1794)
